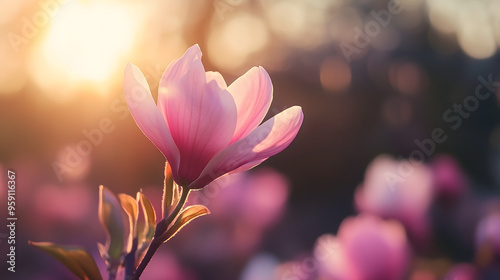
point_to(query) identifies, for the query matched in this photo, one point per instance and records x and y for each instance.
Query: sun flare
(87, 40)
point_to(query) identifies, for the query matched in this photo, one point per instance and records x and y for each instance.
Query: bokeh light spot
(406, 77)
(230, 44)
(335, 75)
(477, 40)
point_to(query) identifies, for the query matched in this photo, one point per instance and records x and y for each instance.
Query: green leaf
(168, 191)
(129, 204)
(185, 217)
(149, 217)
(74, 258)
(113, 220)
(147, 228)
(103, 251)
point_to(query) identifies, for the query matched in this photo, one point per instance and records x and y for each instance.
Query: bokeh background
(65, 128)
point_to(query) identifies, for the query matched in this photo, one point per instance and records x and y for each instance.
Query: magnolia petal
(147, 115)
(74, 258)
(247, 166)
(201, 115)
(266, 140)
(216, 77)
(253, 93)
(179, 67)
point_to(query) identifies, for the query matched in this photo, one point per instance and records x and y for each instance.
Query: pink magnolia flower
(203, 127)
(365, 248)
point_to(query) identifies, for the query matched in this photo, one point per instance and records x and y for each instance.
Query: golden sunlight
(89, 51)
(12, 74)
(85, 43)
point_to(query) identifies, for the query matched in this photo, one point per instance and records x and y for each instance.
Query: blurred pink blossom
(205, 128)
(462, 271)
(256, 198)
(63, 210)
(488, 232)
(66, 203)
(261, 267)
(294, 270)
(399, 190)
(71, 204)
(243, 206)
(422, 274)
(449, 180)
(365, 248)
(164, 266)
